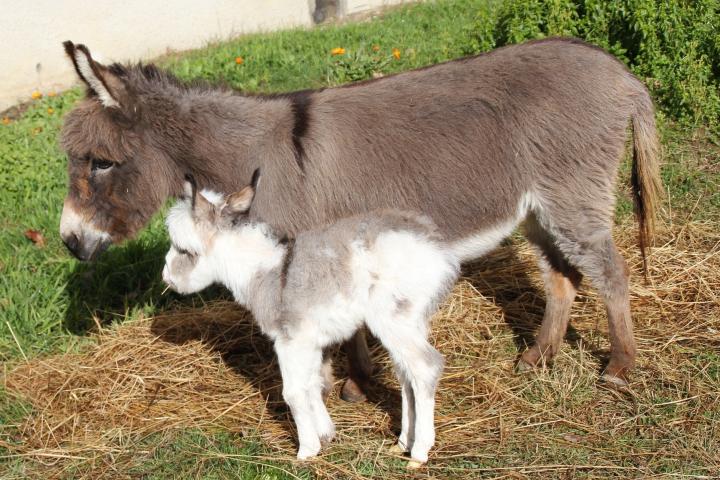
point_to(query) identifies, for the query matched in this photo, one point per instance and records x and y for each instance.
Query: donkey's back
(473, 142)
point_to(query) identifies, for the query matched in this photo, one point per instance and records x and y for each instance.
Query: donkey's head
(119, 173)
(207, 232)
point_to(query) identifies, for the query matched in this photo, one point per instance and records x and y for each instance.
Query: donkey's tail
(646, 185)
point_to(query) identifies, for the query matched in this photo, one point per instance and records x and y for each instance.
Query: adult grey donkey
(529, 133)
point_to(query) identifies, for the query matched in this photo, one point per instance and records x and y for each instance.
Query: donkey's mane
(150, 76)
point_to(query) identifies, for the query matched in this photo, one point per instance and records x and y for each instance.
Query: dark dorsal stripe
(300, 105)
(289, 254)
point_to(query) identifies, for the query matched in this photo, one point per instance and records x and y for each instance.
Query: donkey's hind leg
(595, 255)
(561, 283)
(610, 277)
(359, 368)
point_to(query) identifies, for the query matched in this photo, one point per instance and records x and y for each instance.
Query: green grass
(48, 301)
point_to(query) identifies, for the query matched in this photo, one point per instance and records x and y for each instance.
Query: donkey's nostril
(71, 242)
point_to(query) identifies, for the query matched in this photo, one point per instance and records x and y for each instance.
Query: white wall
(350, 7)
(32, 56)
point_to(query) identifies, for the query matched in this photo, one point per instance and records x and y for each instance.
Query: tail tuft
(646, 185)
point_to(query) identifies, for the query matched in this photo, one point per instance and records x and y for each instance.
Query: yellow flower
(338, 51)
(35, 95)
(239, 60)
(51, 110)
(376, 48)
(6, 121)
(51, 94)
(396, 53)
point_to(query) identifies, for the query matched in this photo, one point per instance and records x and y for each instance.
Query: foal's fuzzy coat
(386, 270)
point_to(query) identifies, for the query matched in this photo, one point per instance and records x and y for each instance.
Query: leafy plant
(357, 65)
(673, 45)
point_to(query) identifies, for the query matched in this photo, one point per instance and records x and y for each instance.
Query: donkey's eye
(99, 164)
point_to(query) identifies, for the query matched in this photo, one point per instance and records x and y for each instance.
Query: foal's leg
(359, 368)
(561, 283)
(407, 422)
(327, 373)
(300, 368)
(318, 393)
(419, 367)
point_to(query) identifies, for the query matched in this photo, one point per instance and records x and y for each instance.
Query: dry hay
(208, 368)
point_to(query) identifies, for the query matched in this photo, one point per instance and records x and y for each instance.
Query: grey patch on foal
(183, 264)
(402, 305)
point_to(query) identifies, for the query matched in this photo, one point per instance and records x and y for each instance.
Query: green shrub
(674, 45)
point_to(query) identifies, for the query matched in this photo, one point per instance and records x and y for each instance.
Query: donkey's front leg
(300, 369)
(359, 368)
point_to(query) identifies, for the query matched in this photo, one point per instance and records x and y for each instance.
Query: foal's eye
(184, 252)
(100, 164)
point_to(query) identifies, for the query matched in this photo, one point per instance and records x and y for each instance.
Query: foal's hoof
(414, 464)
(327, 437)
(307, 453)
(397, 449)
(351, 392)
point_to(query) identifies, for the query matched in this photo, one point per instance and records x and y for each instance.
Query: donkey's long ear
(102, 81)
(239, 202)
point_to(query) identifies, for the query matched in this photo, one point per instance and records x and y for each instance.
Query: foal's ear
(107, 83)
(189, 189)
(239, 202)
(203, 209)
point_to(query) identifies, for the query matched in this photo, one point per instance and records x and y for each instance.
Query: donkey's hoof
(352, 393)
(414, 464)
(397, 449)
(614, 381)
(523, 366)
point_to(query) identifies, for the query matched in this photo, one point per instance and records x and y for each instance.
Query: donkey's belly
(476, 245)
(479, 243)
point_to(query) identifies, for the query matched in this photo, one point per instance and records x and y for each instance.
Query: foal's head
(206, 229)
(120, 172)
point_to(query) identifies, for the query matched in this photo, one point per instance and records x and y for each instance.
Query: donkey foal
(387, 270)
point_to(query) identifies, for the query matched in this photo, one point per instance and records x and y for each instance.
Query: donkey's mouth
(83, 250)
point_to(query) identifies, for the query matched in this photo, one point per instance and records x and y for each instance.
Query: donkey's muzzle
(80, 236)
(83, 249)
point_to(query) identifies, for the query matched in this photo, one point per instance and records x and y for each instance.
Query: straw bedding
(208, 368)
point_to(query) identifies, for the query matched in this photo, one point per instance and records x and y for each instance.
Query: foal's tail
(646, 185)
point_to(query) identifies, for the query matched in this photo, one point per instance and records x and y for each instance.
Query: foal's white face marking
(188, 268)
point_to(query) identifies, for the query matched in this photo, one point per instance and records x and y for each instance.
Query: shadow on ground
(519, 297)
(124, 280)
(249, 353)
